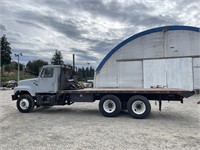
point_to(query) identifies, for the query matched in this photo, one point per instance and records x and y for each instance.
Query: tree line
(34, 66)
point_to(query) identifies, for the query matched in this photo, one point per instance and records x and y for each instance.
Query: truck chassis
(111, 100)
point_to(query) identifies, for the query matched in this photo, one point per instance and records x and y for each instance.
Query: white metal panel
(176, 43)
(130, 74)
(108, 76)
(154, 73)
(172, 73)
(196, 68)
(182, 43)
(96, 80)
(148, 46)
(179, 73)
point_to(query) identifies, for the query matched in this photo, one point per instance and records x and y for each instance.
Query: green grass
(13, 76)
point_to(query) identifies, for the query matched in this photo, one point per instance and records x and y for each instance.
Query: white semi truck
(56, 85)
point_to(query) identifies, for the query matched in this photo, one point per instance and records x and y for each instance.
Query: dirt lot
(81, 126)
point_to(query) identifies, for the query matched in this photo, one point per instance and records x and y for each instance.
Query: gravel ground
(81, 126)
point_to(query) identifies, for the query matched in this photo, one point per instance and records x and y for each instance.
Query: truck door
(46, 81)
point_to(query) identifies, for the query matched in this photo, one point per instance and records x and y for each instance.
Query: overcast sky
(87, 28)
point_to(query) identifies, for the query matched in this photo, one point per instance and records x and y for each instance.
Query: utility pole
(73, 64)
(87, 71)
(0, 63)
(18, 75)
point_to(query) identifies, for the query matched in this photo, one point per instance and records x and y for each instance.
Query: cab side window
(47, 73)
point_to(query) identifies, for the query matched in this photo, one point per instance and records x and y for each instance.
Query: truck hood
(28, 82)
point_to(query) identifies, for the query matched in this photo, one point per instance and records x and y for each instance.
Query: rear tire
(139, 107)
(25, 103)
(110, 105)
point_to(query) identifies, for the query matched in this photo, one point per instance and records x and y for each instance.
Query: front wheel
(25, 103)
(110, 105)
(139, 107)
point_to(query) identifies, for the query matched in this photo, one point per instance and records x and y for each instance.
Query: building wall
(196, 73)
(178, 43)
(172, 73)
(168, 58)
(130, 77)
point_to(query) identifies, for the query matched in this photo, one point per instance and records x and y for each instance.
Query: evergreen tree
(5, 51)
(91, 73)
(13, 66)
(84, 74)
(33, 67)
(57, 58)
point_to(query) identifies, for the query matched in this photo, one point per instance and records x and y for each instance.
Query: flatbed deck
(181, 92)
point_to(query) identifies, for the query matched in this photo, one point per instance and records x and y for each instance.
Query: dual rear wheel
(138, 106)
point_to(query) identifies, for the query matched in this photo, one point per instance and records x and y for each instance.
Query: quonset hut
(167, 56)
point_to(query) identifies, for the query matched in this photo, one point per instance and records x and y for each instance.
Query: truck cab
(44, 89)
(51, 79)
(48, 79)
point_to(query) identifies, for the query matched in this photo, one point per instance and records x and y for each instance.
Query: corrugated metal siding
(149, 46)
(172, 73)
(179, 73)
(162, 44)
(196, 70)
(182, 43)
(165, 44)
(154, 73)
(108, 77)
(130, 74)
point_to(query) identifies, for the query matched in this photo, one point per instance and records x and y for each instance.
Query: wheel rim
(138, 107)
(24, 104)
(109, 106)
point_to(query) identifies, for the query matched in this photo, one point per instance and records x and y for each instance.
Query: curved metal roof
(159, 29)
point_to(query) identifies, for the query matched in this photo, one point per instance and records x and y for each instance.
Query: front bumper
(14, 97)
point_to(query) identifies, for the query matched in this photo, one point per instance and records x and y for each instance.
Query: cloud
(29, 24)
(2, 27)
(89, 28)
(30, 54)
(84, 56)
(134, 14)
(66, 27)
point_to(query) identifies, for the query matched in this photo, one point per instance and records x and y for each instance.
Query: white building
(166, 56)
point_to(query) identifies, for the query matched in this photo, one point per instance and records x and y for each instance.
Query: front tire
(110, 105)
(25, 103)
(139, 107)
